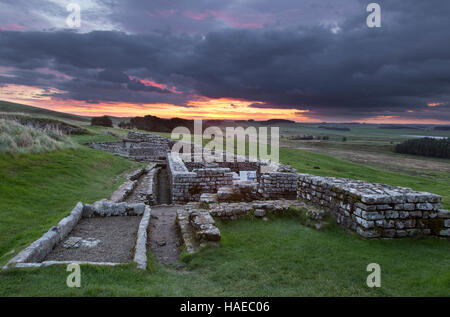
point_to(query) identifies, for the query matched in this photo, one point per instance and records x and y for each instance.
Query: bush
(124, 125)
(104, 121)
(17, 138)
(426, 147)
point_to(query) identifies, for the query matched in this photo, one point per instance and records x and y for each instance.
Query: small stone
(260, 213)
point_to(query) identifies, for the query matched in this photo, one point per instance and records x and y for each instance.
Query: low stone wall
(140, 256)
(188, 186)
(39, 249)
(124, 190)
(33, 255)
(111, 147)
(138, 146)
(239, 209)
(277, 185)
(152, 190)
(377, 210)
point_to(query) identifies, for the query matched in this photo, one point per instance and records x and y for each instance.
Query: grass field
(279, 257)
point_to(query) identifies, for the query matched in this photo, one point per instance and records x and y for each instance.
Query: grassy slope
(6, 106)
(38, 190)
(278, 258)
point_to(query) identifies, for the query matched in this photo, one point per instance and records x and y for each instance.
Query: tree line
(426, 147)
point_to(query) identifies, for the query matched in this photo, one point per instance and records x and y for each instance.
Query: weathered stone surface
(260, 213)
(203, 225)
(227, 194)
(208, 198)
(363, 206)
(138, 146)
(104, 207)
(140, 256)
(123, 191)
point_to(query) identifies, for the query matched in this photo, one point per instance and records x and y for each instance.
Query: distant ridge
(11, 107)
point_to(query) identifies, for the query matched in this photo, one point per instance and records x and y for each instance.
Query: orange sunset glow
(198, 108)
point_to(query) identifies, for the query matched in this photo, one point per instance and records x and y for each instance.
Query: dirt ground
(112, 239)
(164, 236)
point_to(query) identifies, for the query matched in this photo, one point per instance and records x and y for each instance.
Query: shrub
(17, 138)
(426, 147)
(104, 121)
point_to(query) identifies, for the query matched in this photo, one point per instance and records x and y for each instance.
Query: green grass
(275, 258)
(37, 190)
(18, 138)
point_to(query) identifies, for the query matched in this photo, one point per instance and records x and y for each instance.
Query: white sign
(247, 175)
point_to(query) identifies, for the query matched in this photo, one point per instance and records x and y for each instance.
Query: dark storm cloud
(351, 73)
(113, 75)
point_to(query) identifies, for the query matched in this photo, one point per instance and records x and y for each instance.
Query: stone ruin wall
(278, 185)
(142, 146)
(377, 210)
(138, 146)
(111, 147)
(190, 179)
(188, 186)
(372, 210)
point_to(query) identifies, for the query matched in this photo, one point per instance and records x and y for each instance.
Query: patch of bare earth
(164, 236)
(105, 239)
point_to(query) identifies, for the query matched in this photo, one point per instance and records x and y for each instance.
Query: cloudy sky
(304, 60)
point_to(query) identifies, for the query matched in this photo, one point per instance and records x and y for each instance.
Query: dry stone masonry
(377, 210)
(372, 210)
(138, 146)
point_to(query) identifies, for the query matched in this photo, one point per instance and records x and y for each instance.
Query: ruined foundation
(377, 210)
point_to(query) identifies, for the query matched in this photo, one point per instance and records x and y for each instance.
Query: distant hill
(393, 127)
(275, 121)
(442, 128)
(333, 128)
(11, 107)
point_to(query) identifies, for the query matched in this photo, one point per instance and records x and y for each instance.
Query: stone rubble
(107, 208)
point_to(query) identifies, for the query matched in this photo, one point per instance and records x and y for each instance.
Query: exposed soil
(164, 235)
(113, 240)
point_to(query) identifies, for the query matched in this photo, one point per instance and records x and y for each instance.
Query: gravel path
(103, 239)
(164, 236)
